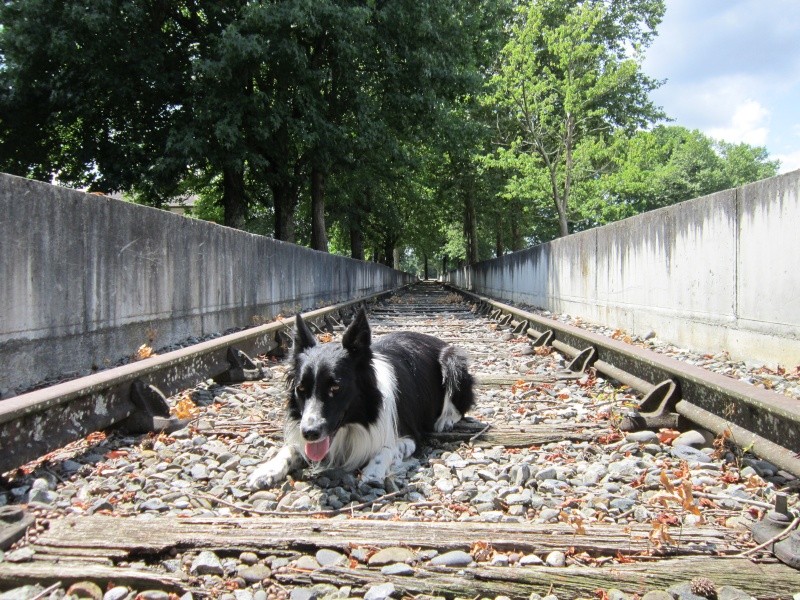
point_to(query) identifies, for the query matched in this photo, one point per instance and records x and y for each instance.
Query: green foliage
(671, 164)
(567, 76)
(453, 130)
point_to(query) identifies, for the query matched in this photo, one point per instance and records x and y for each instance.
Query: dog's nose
(313, 432)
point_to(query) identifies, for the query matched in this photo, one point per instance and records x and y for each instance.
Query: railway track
(539, 491)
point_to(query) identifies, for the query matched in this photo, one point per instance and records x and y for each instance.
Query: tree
(670, 164)
(570, 73)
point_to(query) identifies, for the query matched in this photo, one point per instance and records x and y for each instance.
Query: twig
(772, 540)
(303, 513)
(46, 591)
(735, 499)
(480, 433)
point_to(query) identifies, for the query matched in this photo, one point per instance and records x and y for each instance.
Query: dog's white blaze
(354, 445)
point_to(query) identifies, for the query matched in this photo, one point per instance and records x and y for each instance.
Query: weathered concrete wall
(716, 273)
(85, 280)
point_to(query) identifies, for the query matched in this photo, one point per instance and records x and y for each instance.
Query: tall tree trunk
(358, 212)
(470, 226)
(319, 237)
(560, 202)
(498, 240)
(234, 202)
(425, 265)
(285, 197)
(356, 241)
(444, 265)
(516, 235)
(396, 257)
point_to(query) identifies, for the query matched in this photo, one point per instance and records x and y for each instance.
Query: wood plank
(19, 574)
(518, 437)
(762, 580)
(139, 537)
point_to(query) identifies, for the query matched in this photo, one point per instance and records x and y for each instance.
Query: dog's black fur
(363, 403)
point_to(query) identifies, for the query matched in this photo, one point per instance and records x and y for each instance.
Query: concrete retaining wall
(720, 272)
(85, 280)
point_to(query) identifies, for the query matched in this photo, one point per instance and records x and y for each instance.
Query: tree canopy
(421, 133)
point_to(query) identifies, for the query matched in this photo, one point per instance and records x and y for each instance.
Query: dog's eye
(333, 389)
(300, 389)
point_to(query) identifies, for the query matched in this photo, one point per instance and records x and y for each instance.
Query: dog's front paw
(276, 469)
(265, 476)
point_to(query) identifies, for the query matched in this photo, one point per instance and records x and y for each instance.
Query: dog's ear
(358, 335)
(303, 338)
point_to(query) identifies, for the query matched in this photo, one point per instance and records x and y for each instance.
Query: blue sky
(733, 71)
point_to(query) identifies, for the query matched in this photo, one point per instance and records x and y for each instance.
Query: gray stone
(42, 497)
(617, 595)
(379, 592)
(25, 592)
(307, 563)
(642, 437)
(728, 592)
(692, 438)
(199, 472)
(116, 593)
(327, 558)
(304, 594)
(548, 515)
(530, 560)
(556, 559)
(248, 558)
(154, 504)
(683, 591)
(206, 563)
(388, 556)
(19, 555)
(152, 595)
(546, 473)
(657, 595)
(622, 504)
(455, 558)
(445, 486)
(397, 569)
(254, 573)
(499, 560)
(690, 454)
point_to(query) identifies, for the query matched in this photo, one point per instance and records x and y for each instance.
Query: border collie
(365, 404)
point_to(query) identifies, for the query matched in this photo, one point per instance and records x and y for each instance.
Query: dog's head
(329, 385)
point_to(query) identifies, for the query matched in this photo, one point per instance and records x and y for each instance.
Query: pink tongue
(316, 451)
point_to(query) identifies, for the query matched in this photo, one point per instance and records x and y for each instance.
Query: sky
(732, 70)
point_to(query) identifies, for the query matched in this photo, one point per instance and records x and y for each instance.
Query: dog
(365, 404)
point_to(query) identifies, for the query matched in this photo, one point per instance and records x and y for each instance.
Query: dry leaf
(144, 351)
(185, 408)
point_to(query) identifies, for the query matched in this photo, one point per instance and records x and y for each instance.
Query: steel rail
(756, 418)
(38, 422)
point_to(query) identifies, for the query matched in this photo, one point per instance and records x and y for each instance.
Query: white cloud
(748, 123)
(789, 161)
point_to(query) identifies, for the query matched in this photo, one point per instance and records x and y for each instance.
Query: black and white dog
(365, 404)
